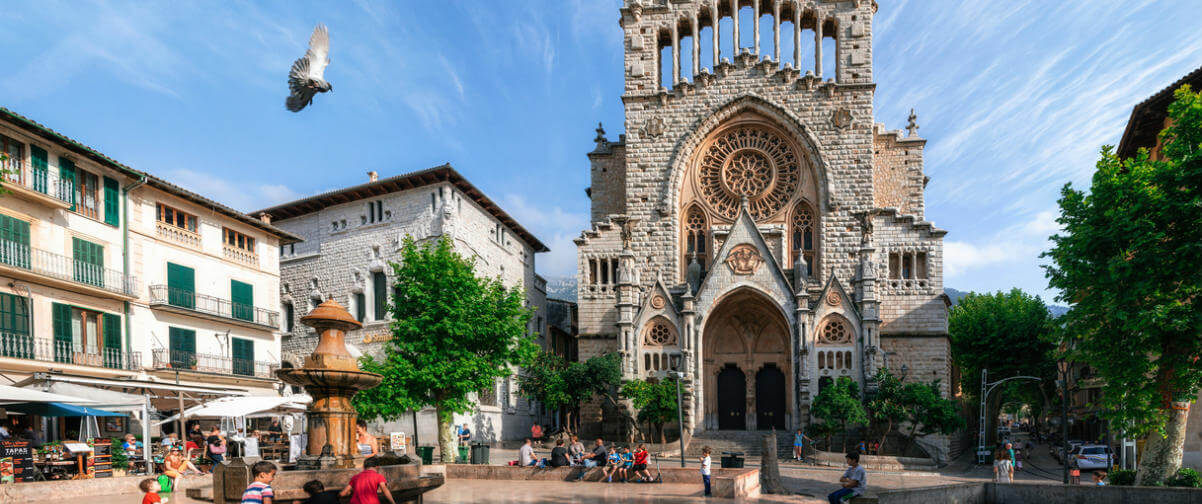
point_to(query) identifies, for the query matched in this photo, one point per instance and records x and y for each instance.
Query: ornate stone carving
(658, 302)
(744, 259)
(841, 118)
(833, 298)
(660, 334)
(751, 162)
(654, 127)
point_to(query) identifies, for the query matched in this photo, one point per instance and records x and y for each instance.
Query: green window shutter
(66, 176)
(40, 167)
(244, 356)
(15, 340)
(379, 284)
(112, 342)
(61, 324)
(181, 286)
(112, 208)
(360, 307)
(89, 262)
(182, 344)
(242, 297)
(14, 241)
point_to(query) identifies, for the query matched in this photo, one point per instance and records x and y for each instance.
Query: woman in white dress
(1003, 469)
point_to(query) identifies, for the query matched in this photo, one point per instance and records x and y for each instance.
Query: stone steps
(746, 442)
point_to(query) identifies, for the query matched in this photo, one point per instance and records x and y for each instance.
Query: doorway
(770, 398)
(732, 398)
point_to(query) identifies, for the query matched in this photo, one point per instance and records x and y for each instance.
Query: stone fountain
(332, 377)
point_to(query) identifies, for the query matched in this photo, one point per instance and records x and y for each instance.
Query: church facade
(755, 229)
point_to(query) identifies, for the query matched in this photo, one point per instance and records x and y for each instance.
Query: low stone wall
(727, 483)
(877, 462)
(1021, 493)
(407, 482)
(37, 491)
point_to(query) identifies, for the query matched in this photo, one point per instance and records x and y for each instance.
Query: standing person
(275, 430)
(705, 469)
(366, 443)
(465, 435)
(526, 454)
(150, 489)
(576, 451)
(559, 455)
(854, 481)
(596, 458)
(365, 487)
(799, 443)
(217, 445)
(640, 464)
(318, 494)
(1003, 469)
(259, 491)
(1010, 452)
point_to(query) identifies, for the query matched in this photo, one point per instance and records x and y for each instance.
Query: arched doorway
(744, 333)
(732, 398)
(770, 398)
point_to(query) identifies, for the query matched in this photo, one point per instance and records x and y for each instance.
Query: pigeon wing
(319, 52)
(298, 79)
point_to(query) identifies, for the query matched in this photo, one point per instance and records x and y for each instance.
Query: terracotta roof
(1147, 117)
(399, 183)
(73, 145)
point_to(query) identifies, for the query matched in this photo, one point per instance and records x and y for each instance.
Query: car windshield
(1094, 450)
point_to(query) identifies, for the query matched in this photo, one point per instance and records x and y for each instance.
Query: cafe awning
(57, 409)
(99, 398)
(9, 394)
(234, 407)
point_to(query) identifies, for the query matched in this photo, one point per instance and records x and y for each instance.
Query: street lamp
(677, 375)
(986, 388)
(1062, 366)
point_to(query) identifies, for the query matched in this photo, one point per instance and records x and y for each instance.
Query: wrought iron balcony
(208, 363)
(37, 184)
(25, 346)
(200, 304)
(60, 267)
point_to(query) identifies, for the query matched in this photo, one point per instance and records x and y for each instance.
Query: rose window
(660, 334)
(748, 162)
(835, 332)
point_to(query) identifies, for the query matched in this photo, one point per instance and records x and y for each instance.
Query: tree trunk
(880, 450)
(663, 436)
(1162, 454)
(844, 428)
(446, 439)
(769, 468)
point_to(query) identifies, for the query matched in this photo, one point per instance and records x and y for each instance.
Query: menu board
(101, 463)
(17, 461)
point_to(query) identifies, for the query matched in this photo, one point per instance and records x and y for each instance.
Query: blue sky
(1014, 97)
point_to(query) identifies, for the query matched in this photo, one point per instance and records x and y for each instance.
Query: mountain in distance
(564, 288)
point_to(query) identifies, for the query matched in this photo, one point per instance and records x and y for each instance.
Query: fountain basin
(404, 480)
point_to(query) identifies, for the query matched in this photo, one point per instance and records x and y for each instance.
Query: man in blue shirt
(854, 481)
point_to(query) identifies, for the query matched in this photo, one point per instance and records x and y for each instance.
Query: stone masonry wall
(608, 189)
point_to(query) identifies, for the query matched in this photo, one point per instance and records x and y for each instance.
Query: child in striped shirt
(259, 490)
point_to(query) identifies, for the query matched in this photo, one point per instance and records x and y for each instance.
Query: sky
(1015, 99)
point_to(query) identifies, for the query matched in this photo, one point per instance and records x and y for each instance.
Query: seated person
(614, 463)
(319, 495)
(559, 455)
(131, 445)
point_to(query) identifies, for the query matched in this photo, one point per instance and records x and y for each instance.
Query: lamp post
(986, 388)
(677, 375)
(1062, 366)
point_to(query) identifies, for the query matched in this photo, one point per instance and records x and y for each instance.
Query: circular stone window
(748, 162)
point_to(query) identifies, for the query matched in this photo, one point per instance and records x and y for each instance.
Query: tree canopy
(839, 404)
(655, 402)
(563, 385)
(1128, 261)
(453, 335)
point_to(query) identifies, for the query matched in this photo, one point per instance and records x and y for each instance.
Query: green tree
(839, 404)
(1127, 260)
(887, 407)
(655, 402)
(1010, 334)
(454, 334)
(565, 385)
(927, 412)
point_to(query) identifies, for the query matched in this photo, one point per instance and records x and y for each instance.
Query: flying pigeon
(305, 79)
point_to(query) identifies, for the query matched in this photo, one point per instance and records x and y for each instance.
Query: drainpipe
(129, 336)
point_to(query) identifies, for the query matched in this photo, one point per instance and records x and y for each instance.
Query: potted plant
(118, 458)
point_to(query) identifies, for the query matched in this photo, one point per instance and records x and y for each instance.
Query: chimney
(265, 217)
(372, 176)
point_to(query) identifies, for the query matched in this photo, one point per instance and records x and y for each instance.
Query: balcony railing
(236, 254)
(207, 363)
(25, 346)
(20, 173)
(190, 239)
(61, 267)
(180, 298)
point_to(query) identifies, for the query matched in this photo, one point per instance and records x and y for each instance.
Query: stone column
(755, 12)
(870, 309)
(797, 37)
(696, 48)
(714, 30)
(734, 26)
(675, 54)
(776, 31)
(626, 306)
(818, 45)
(688, 343)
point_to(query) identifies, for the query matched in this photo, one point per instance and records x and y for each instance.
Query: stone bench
(726, 483)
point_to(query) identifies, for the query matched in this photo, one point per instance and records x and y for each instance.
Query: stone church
(755, 228)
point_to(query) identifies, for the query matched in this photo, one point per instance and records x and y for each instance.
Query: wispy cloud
(244, 195)
(552, 225)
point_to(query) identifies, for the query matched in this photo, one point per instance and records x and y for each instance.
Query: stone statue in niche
(744, 259)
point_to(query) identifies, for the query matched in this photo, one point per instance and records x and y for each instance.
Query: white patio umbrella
(9, 395)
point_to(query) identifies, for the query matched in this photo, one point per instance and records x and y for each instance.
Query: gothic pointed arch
(696, 238)
(803, 235)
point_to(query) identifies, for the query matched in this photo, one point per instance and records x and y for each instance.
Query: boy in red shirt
(640, 464)
(365, 486)
(151, 488)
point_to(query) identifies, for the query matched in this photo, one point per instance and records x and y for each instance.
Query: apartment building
(110, 276)
(350, 235)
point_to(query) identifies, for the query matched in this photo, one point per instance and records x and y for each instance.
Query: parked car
(1089, 457)
(1058, 451)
